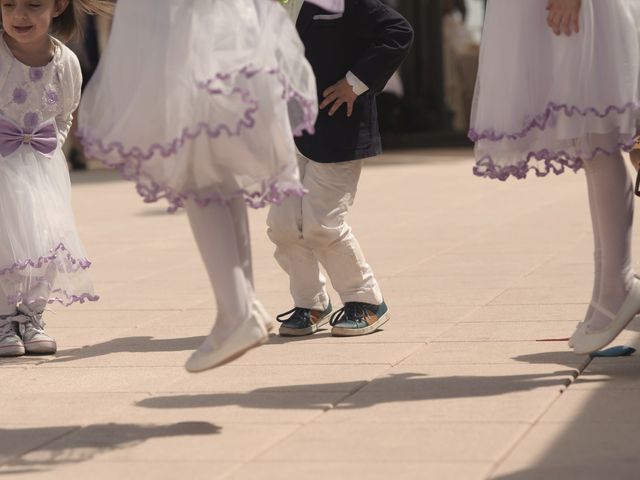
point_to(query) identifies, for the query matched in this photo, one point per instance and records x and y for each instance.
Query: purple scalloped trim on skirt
(66, 299)
(130, 166)
(548, 162)
(58, 295)
(540, 121)
(288, 94)
(76, 263)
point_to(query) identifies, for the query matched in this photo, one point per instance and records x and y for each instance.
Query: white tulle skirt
(41, 257)
(544, 103)
(200, 99)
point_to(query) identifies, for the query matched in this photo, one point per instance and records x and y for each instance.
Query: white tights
(6, 308)
(611, 204)
(38, 291)
(222, 235)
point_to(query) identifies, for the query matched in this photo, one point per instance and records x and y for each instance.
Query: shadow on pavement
(567, 358)
(393, 388)
(323, 332)
(75, 444)
(144, 344)
(140, 344)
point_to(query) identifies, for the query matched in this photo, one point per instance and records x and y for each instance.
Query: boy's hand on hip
(563, 16)
(339, 94)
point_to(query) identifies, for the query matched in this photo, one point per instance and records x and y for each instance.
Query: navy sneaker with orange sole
(358, 318)
(303, 321)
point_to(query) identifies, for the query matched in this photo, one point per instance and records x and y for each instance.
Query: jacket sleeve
(330, 5)
(71, 84)
(389, 36)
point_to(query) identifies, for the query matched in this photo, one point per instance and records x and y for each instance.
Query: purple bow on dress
(44, 139)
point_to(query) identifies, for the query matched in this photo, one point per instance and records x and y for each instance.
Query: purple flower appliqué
(20, 95)
(31, 119)
(36, 74)
(51, 97)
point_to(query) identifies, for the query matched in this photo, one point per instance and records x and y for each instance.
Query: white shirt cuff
(358, 86)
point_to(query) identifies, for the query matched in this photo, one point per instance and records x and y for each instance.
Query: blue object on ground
(619, 351)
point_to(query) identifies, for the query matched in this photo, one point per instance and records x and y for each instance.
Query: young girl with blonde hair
(41, 257)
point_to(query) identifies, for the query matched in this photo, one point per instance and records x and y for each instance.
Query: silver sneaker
(10, 342)
(31, 328)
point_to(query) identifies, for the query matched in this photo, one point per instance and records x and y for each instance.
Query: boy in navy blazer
(353, 55)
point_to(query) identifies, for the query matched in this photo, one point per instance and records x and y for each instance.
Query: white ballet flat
(587, 340)
(250, 333)
(575, 333)
(267, 321)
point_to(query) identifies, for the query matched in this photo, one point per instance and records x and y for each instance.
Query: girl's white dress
(200, 99)
(41, 257)
(544, 103)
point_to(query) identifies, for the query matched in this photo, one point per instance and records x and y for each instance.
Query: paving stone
(63, 409)
(573, 450)
(97, 470)
(510, 332)
(455, 386)
(43, 380)
(320, 469)
(273, 378)
(607, 407)
(544, 295)
(556, 354)
(423, 442)
(571, 312)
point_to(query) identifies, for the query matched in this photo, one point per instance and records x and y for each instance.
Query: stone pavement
(457, 386)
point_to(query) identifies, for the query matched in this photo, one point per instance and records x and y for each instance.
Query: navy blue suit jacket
(369, 39)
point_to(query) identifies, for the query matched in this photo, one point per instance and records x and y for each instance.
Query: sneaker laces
(294, 314)
(351, 311)
(7, 327)
(27, 322)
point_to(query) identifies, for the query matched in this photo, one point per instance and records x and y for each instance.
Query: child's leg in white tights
(39, 291)
(238, 209)
(226, 258)
(6, 307)
(611, 204)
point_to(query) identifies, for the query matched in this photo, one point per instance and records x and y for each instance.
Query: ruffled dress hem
(130, 161)
(550, 159)
(59, 296)
(65, 262)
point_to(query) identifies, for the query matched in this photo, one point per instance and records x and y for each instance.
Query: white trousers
(312, 231)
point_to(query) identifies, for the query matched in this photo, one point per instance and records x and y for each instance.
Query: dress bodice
(31, 95)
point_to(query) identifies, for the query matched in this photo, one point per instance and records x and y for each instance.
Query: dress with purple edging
(545, 103)
(200, 99)
(42, 259)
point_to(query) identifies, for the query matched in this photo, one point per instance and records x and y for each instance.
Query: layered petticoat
(200, 99)
(41, 257)
(545, 103)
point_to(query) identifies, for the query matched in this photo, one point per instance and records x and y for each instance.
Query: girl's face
(28, 21)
